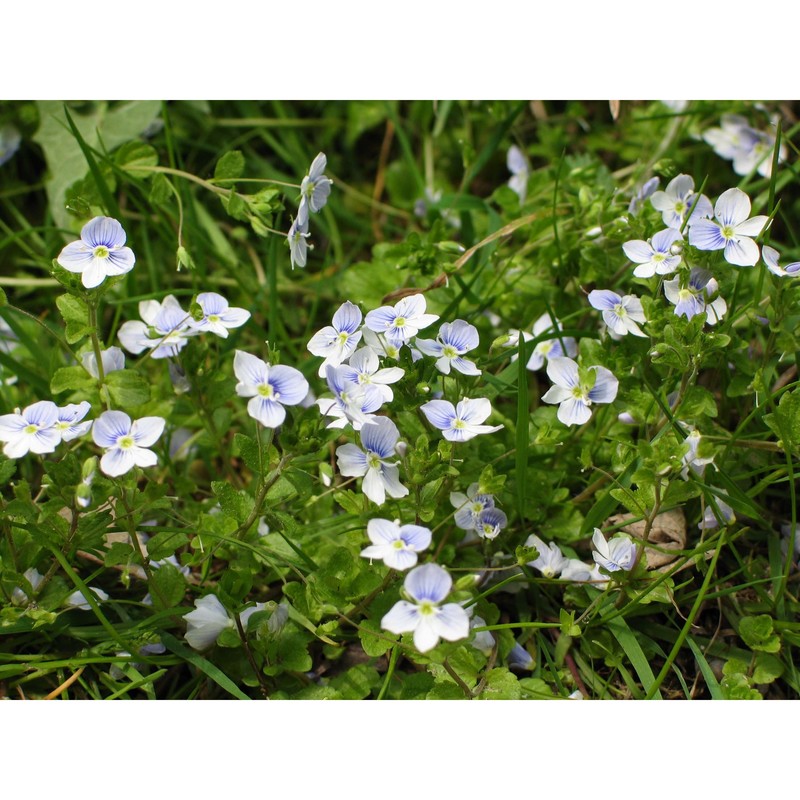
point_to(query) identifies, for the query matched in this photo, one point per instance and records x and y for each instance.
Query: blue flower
(402, 322)
(99, 254)
(731, 230)
(218, 316)
(550, 347)
(126, 443)
(394, 544)
(644, 192)
(30, 430)
(621, 314)
(656, 256)
(454, 340)
(112, 359)
(352, 402)
(574, 395)
(316, 187)
(335, 343)
(381, 476)
(270, 388)
(462, 422)
(617, 554)
(692, 298)
(364, 370)
(167, 320)
(470, 506)
(298, 233)
(771, 256)
(69, 423)
(550, 561)
(520, 172)
(747, 147)
(490, 522)
(427, 586)
(679, 201)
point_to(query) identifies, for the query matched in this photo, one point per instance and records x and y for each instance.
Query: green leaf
(357, 682)
(785, 422)
(119, 553)
(165, 543)
(136, 154)
(167, 587)
(501, 684)
(70, 379)
(714, 688)
(633, 650)
(128, 388)
(768, 668)
(374, 642)
(445, 690)
(230, 166)
(235, 504)
(75, 313)
(757, 633)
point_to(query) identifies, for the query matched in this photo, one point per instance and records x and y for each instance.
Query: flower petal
(742, 252)
(563, 372)
(109, 427)
(440, 413)
(401, 618)
(574, 412)
(428, 583)
(733, 207)
(146, 431)
(451, 623)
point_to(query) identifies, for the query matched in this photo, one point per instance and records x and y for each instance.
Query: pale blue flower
(550, 561)
(712, 517)
(461, 422)
(731, 230)
(401, 322)
(490, 522)
(364, 370)
(269, 388)
(18, 596)
(112, 360)
(654, 257)
(644, 192)
(680, 201)
(126, 443)
(78, 600)
(335, 343)
(693, 298)
(218, 316)
(394, 544)
(575, 397)
(470, 506)
(9, 142)
(771, 256)
(69, 423)
(555, 346)
(427, 586)
(454, 340)
(164, 330)
(520, 172)
(691, 459)
(616, 554)
(99, 254)
(297, 236)
(375, 462)
(316, 187)
(206, 622)
(352, 402)
(30, 430)
(621, 314)
(520, 659)
(748, 148)
(578, 572)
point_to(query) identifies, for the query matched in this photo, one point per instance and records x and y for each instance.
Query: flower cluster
(748, 148)
(40, 427)
(314, 192)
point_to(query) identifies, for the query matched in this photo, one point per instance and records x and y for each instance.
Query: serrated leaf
(127, 388)
(233, 503)
(501, 684)
(75, 314)
(167, 587)
(119, 553)
(70, 379)
(768, 668)
(165, 543)
(230, 166)
(757, 633)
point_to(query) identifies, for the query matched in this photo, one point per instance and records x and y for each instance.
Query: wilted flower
(381, 476)
(644, 192)
(462, 422)
(730, 230)
(713, 517)
(394, 544)
(454, 340)
(30, 430)
(126, 443)
(99, 254)
(520, 659)
(616, 554)
(270, 388)
(621, 314)
(427, 586)
(18, 596)
(574, 395)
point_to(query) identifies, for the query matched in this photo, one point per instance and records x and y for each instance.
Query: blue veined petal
(374, 398)
(401, 560)
(429, 346)
(289, 383)
(75, 257)
(701, 208)
(373, 487)
(44, 413)
(147, 430)
(573, 411)
(428, 583)
(681, 186)
(615, 323)
(390, 475)
(411, 307)
(212, 303)
(494, 517)
(269, 413)
(732, 208)
(120, 261)
(440, 413)
(317, 166)
(143, 457)
(380, 436)
(706, 235)
(638, 251)
(320, 194)
(473, 411)
(250, 370)
(603, 299)
(451, 623)
(109, 427)
(605, 386)
(752, 226)
(742, 252)
(663, 240)
(403, 617)
(351, 460)
(416, 537)
(690, 306)
(563, 372)
(103, 232)
(383, 531)
(381, 319)
(117, 462)
(460, 335)
(465, 367)
(347, 318)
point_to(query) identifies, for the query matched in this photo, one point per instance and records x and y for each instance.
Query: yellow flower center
(265, 390)
(100, 252)
(31, 428)
(125, 442)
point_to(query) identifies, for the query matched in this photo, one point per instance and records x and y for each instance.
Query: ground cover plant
(399, 400)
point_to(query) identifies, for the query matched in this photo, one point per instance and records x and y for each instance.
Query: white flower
(621, 314)
(520, 172)
(352, 402)
(99, 254)
(270, 388)
(654, 257)
(617, 554)
(298, 233)
(316, 187)
(575, 397)
(401, 322)
(679, 200)
(691, 460)
(381, 476)
(206, 622)
(731, 230)
(31, 430)
(427, 586)
(218, 316)
(126, 443)
(578, 572)
(34, 578)
(78, 599)
(112, 360)
(550, 561)
(771, 256)
(394, 544)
